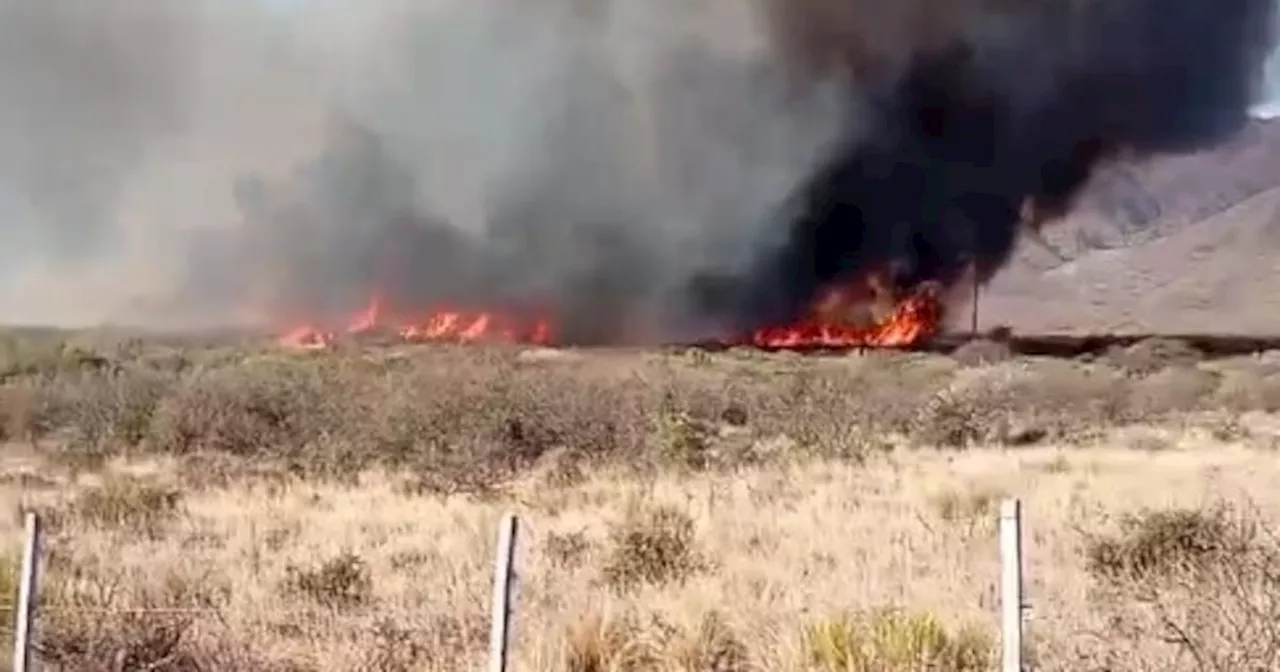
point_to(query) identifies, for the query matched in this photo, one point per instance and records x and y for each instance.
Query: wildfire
(864, 314)
(860, 314)
(444, 324)
(914, 319)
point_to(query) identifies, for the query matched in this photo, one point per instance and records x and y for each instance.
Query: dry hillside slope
(1185, 244)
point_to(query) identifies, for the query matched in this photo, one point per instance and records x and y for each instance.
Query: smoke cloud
(180, 163)
(192, 163)
(122, 127)
(975, 108)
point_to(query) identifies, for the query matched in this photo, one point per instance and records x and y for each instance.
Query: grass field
(684, 511)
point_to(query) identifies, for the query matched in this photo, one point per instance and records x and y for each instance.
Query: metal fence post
(28, 591)
(1011, 586)
(503, 583)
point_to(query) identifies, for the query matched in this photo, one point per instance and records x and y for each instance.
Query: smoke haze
(192, 163)
(205, 163)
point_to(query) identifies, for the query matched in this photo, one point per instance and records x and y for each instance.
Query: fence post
(503, 582)
(28, 589)
(1011, 586)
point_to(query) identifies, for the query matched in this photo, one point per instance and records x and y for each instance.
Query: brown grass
(221, 507)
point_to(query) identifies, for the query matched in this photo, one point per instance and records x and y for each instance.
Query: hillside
(1187, 243)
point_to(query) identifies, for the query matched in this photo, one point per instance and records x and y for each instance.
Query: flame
(440, 325)
(865, 313)
(860, 314)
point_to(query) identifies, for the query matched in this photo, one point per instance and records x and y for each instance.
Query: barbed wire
(121, 611)
(218, 615)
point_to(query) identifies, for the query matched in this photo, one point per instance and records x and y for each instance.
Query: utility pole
(973, 324)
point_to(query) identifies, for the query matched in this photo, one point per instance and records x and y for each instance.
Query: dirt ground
(237, 507)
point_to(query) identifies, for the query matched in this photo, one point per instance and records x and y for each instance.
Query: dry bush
(113, 412)
(259, 410)
(445, 640)
(685, 442)
(338, 582)
(25, 411)
(601, 642)
(10, 569)
(1158, 542)
(963, 415)
(892, 641)
(652, 544)
(1019, 404)
(567, 549)
(1188, 589)
(163, 643)
(629, 642)
(983, 352)
(129, 504)
(133, 621)
(1153, 354)
(974, 508)
(1177, 389)
(1244, 390)
(45, 357)
(711, 645)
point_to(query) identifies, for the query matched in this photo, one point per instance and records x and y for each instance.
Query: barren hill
(1187, 244)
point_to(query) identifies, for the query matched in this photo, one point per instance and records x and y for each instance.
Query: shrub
(129, 504)
(10, 568)
(567, 549)
(1194, 586)
(153, 622)
(710, 646)
(341, 581)
(685, 442)
(1158, 542)
(247, 412)
(1153, 354)
(608, 643)
(652, 545)
(891, 641)
(982, 352)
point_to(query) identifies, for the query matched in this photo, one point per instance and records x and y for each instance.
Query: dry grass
(685, 511)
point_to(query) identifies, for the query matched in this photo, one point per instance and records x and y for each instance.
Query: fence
(1012, 605)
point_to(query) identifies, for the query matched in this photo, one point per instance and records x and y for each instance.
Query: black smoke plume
(969, 108)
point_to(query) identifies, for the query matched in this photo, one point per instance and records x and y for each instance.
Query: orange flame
(442, 325)
(914, 319)
(860, 314)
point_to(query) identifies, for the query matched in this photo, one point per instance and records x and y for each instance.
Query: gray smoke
(122, 126)
(191, 163)
(582, 159)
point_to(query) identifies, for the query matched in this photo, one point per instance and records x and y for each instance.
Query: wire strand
(107, 610)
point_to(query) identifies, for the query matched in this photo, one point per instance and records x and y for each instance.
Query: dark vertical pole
(973, 325)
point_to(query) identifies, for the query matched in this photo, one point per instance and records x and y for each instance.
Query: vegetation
(234, 506)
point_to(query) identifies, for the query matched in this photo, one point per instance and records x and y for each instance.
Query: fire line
(860, 314)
